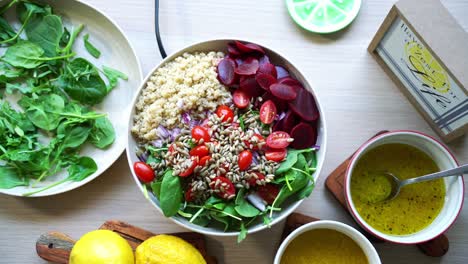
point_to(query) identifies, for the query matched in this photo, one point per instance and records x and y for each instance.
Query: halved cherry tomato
(244, 160)
(189, 197)
(199, 151)
(268, 192)
(267, 112)
(199, 132)
(278, 140)
(276, 154)
(223, 187)
(225, 112)
(190, 169)
(204, 160)
(143, 171)
(253, 181)
(240, 99)
(259, 138)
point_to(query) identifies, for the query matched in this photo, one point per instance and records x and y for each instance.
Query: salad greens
(44, 134)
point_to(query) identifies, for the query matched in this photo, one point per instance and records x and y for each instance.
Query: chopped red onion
(255, 158)
(256, 201)
(281, 116)
(186, 118)
(174, 133)
(316, 147)
(162, 132)
(143, 157)
(158, 143)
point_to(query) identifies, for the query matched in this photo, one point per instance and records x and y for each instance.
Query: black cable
(156, 29)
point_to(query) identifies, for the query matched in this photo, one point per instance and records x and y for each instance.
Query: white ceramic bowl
(443, 158)
(360, 239)
(288, 206)
(118, 53)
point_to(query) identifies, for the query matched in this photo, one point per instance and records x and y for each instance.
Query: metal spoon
(397, 184)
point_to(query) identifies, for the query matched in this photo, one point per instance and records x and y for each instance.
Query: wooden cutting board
(56, 246)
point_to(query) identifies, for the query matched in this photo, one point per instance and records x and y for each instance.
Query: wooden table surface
(358, 98)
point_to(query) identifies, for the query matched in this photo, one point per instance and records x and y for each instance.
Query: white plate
(117, 53)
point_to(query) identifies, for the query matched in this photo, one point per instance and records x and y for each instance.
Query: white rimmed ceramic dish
(288, 206)
(360, 239)
(444, 160)
(116, 52)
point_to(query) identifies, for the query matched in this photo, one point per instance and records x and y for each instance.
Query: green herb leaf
(91, 48)
(42, 111)
(81, 169)
(46, 32)
(171, 195)
(243, 207)
(113, 76)
(102, 134)
(9, 178)
(242, 234)
(72, 135)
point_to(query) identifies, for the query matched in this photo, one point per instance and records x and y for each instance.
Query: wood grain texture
(359, 99)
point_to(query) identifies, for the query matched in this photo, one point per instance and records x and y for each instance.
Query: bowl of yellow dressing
(326, 242)
(421, 211)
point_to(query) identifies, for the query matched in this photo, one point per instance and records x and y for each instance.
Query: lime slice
(323, 16)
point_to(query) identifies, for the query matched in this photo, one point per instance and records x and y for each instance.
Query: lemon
(166, 249)
(102, 247)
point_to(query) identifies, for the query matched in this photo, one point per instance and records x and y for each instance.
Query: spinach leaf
(83, 83)
(245, 209)
(242, 234)
(102, 134)
(26, 54)
(156, 187)
(43, 111)
(81, 169)
(72, 38)
(72, 135)
(6, 31)
(305, 192)
(222, 219)
(113, 76)
(286, 165)
(171, 195)
(9, 178)
(46, 32)
(65, 38)
(90, 47)
(299, 182)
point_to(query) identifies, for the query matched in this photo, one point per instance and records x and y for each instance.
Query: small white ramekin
(360, 239)
(454, 186)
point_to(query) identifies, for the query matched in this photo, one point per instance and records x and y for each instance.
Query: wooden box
(425, 52)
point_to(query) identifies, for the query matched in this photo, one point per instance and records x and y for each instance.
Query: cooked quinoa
(187, 84)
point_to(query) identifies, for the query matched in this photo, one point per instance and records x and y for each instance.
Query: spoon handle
(451, 172)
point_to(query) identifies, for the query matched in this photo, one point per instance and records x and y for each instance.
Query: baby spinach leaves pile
(294, 177)
(57, 91)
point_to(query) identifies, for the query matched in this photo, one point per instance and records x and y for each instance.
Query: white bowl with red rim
(454, 186)
(276, 58)
(356, 236)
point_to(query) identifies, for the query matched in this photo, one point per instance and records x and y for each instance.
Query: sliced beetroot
(304, 105)
(264, 59)
(248, 67)
(290, 120)
(265, 80)
(283, 91)
(281, 105)
(278, 126)
(233, 50)
(282, 72)
(249, 85)
(249, 47)
(226, 71)
(290, 81)
(304, 136)
(268, 68)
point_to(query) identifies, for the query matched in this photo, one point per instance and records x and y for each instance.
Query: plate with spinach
(67, 76)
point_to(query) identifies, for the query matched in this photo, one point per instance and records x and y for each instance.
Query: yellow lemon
(166, 249)
(102, 247)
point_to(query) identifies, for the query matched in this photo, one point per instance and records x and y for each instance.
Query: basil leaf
(171, 195)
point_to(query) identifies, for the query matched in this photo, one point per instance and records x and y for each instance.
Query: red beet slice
(248, 67)
(290, 81)
(249, 85)
(304, 136)
(283, 91)
(290, 120)
(226, 71)
(278, 126)
(232, 49)
(249, 47)
(304, 105)
(268, 68)
(282, 72)
(264, 59)
(281, 105)
(265, 80)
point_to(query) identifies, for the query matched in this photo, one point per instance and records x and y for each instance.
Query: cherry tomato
(189, 197)
(259, 139)
(225, 112)
(244, 160)
(199, 132)
(143, 171)
(267, 112)
(226, 189)
(253, 181)
(240, 99)
(204, 160)
(278, 140)
(171, 148)
(268, 192)
(199, 151)
(190, 169)
(276, 154)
